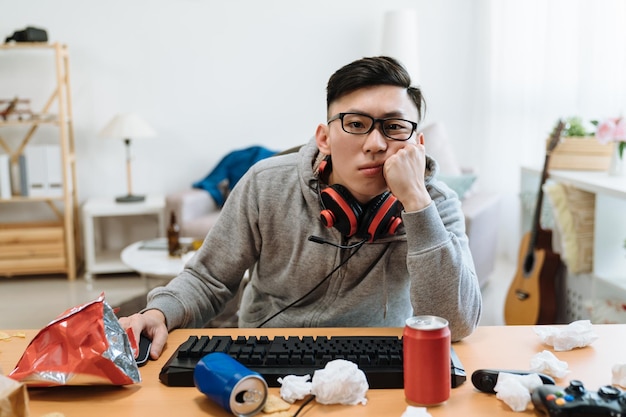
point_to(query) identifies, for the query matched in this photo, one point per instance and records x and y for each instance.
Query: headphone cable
(323, 241)
(358, 246)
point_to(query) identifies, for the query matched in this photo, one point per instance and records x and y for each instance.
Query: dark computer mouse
(144, 350)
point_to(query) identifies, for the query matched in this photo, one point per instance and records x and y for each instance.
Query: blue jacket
(231, 168)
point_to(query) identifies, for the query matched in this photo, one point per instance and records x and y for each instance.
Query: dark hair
(367, 72)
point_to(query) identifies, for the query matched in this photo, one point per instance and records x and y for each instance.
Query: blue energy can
(234, 387)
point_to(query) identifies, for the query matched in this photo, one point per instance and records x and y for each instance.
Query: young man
(396, 245)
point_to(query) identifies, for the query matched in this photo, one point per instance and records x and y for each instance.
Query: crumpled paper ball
(294, 388)
(412, 411)
(340, 382)
(577, 334)
(547, 363)
(619, 374)
(515, 390)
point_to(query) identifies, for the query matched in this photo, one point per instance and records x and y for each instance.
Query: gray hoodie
(264, 227)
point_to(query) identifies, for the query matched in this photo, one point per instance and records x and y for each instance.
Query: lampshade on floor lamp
(128, 126)
(400, 40)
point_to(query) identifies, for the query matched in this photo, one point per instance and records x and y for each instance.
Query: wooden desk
(502, 347)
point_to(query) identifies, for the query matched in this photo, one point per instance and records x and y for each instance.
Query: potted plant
(579, 149)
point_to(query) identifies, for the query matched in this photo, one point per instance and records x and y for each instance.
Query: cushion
(439, 148)
(574, 211)
(461, 184)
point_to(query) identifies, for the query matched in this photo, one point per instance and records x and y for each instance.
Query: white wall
(215, 76)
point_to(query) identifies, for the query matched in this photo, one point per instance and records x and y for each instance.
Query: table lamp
(400, 39)
(126, 126)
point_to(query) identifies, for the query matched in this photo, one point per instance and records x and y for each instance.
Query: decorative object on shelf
(400, 39)
(576, 126)
(30, 34)
(126, 126)
(616, 169)
(578, 148)
(17, 107)
(614, 130)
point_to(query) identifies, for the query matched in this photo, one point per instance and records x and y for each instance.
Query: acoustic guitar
(532, 296)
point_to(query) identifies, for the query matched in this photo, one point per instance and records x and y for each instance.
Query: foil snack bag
(85, 345)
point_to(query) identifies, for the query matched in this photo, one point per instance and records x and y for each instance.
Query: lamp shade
(400, 39)
(127, 126)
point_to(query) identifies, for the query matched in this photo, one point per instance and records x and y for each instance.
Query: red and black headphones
(376, 219)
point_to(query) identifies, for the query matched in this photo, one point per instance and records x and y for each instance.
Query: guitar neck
(536, 224)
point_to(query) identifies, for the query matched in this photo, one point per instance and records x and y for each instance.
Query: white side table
(100, 259)
(150, 258)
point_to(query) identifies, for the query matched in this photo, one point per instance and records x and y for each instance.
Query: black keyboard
(379, 357)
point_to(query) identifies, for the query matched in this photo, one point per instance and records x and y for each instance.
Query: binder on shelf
(43, 176)
(54, 170)
(23, 176)
(35, 171)
(5, 177)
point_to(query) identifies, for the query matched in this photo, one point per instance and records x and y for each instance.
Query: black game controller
(485, 379)
(576, 401)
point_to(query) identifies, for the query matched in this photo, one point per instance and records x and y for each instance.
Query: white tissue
(546, 363)
(412, 411)
(619, 374)
(576, 334)
(515, 390)
(294, 387)
(340, 382)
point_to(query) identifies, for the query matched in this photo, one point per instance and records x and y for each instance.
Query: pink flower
(619, 134)
(611, 130)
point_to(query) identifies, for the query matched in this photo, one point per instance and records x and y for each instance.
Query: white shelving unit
(102, 257)
(608, 277)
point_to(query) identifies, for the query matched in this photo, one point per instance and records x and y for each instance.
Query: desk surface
(500, 347)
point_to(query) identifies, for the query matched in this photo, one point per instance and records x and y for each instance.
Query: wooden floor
(32, 302)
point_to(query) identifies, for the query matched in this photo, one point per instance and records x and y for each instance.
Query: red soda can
(426, 360)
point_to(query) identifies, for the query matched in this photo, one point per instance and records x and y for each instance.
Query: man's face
(358, 159)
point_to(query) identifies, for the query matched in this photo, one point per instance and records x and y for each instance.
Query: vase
(616, 167)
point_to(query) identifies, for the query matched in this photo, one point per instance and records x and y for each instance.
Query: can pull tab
(252, 396)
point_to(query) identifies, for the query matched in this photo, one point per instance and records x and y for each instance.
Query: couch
(197, 211)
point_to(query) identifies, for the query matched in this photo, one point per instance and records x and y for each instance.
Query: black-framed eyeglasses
(362, 124)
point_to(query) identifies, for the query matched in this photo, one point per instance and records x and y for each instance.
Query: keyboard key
(196, 350)
(183, 350)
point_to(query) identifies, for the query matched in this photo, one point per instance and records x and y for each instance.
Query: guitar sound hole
(529, 263)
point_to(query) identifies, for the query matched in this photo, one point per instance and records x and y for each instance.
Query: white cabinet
(109, 226)
(607, 279)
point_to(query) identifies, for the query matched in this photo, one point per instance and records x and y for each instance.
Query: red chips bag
(85, 345)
